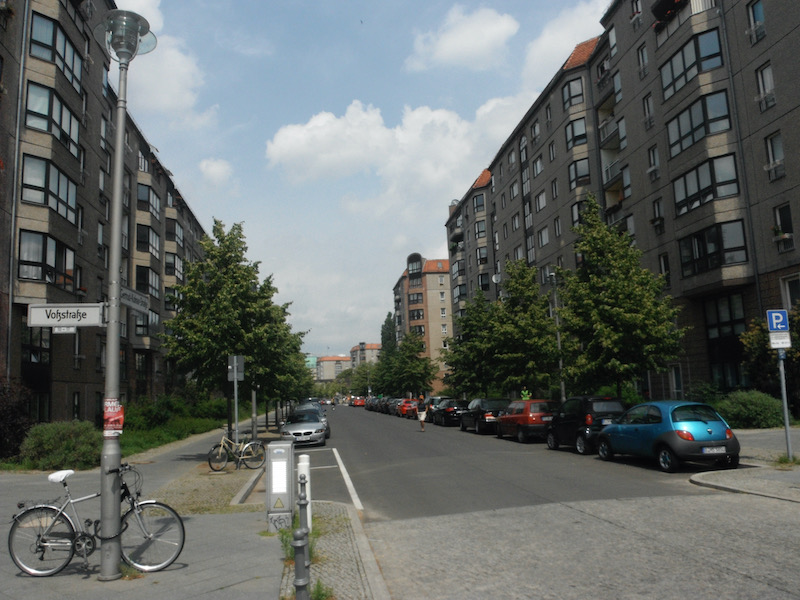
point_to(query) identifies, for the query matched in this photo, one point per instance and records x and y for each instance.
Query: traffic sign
(779, 339)
(133, 299)
(65, 315)
(235, 368)
(778, 320)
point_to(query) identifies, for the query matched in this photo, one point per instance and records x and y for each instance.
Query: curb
(247, 488)
(375, 581)
(706, 480)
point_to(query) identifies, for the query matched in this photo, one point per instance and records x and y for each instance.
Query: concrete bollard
(303, 516)
(301, 572)
(304, 470)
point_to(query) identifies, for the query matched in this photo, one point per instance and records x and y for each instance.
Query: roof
(580, 55)
(333, 358)
(484, 179)
(432, 265)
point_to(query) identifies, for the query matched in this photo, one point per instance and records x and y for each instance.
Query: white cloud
(474, 41)
(216, 171)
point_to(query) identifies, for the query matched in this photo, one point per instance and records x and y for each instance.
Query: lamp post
(554, 282)
(123, 34)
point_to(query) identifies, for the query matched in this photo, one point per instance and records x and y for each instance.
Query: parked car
(525, 419)
(316, 409)
(407, 408)
(448, 412)
(671, 431)
(304, 428)
(433, 402)
(481, 414)
(358, 401)
(578, 421)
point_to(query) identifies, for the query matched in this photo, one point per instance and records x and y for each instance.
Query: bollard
(302, 512)
(304, 469)
(301, 573)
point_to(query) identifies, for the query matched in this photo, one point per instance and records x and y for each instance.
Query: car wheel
(552, 441)
(581, 445)
(478, 428)
(462, 425)
(521, 437)
(667, 461)
(604, 450)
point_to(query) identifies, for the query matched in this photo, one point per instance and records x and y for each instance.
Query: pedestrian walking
(421, 412)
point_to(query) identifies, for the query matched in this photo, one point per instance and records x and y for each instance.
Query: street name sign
(135, 300)
(65, 315)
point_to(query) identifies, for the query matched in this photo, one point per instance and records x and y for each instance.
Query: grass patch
(784, 462)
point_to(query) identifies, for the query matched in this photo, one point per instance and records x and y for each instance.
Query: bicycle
(251, 453)
(44, 537)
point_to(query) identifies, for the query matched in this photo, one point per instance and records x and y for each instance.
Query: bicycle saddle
(59, 476)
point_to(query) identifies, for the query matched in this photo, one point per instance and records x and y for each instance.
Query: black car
(578, 421)
(481, 414)
(433, 402)
(448, 412)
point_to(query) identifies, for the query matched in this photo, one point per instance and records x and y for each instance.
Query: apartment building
(57, 113)
(422, 304)
(680, 118)
(329, 367)
(364, 353)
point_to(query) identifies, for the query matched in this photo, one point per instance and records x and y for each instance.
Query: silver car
(304, 428)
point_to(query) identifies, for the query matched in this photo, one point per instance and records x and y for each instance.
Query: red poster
(113, 416)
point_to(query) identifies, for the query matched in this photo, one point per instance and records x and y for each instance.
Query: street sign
(778, 320)
(70, 329)
(65, 315)
(779, 339)
(236, 368)
(135, 300)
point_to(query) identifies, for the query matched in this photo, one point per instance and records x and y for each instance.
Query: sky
(338, 132)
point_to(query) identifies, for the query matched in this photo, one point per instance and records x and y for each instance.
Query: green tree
(523, 333)
(384, 372)
(413, 371)
(761, 362)
(470, 356)
(617, 322)
(223, 309)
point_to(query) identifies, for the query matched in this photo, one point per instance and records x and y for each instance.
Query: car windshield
(303, 417)
(606, 406)
(495, 404)
(694, 412)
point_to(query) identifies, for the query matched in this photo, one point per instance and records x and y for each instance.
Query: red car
(524, 419)
(407, 409)
(357, 401)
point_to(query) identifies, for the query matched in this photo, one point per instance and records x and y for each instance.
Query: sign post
(780, 339)
(236, 374)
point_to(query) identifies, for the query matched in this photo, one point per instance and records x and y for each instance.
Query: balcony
(609, 134)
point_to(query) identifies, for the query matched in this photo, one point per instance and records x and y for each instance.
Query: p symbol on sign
(778, 320)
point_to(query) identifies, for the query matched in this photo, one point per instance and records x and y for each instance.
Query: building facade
(422, 304)
(364, 353)
(329, 367)
(681, 120)
(56, 146)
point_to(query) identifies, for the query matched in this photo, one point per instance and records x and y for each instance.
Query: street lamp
(123, 34)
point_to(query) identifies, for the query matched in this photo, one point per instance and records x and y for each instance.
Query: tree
(223, 309)
(523, 332)
(617, 322)
(383, 374)
(413, 371)
(761, 362)
(470, 356)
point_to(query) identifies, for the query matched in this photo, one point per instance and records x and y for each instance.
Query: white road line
(348, 482)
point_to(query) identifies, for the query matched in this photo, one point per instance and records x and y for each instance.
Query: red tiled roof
(432, 265)
(581, 53)
(483, 179)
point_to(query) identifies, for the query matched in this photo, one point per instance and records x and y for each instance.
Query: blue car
(671, 431)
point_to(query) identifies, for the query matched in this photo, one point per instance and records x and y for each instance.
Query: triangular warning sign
(278, 504)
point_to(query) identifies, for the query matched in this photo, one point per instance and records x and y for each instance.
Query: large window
(578, 173)
(755, 14)
(49, 42)
(775, 167)
(44, 183)
(701, 53)
(480, 229)
(708, 115)
(713, 179)
(712, 248)
(478, 203)
(725, 321)
(575, 132)
(148, 281)
(43, 258)
(148, 240)
(148, 200)
(572, 93)
(45, 111)
(766, 87)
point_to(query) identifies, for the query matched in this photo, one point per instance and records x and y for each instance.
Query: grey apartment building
(57, 126)
(682, 120)
(422, 304)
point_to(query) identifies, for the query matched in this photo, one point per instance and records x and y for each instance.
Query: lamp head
(124, 34)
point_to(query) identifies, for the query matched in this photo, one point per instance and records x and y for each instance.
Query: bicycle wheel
(41, 541)
(217, 457)
(152, 536)
(254, 455)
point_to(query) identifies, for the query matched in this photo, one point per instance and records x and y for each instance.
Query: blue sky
(338, 132)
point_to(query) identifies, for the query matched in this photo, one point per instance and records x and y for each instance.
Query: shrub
(14, 421)
(62, 445)
(748, 409)
(212, 408)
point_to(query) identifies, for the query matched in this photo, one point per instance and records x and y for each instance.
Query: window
(174, 232)
(417, 314)
(663, 268)
(612, 40)
(173, 265)
(523, 149)
(755, 13)
(641, 57)
(530, 255)
(45, 111)
(775, 167)
(444, 329)
(538, 166)
(536, 131)
(554, 189)
(617, 87)
(784, 230)
(576, 211)
(483, 281)
(548, 115)
(578, 173)
(148, 281)
(457, 269)
(49, 42)
(713, 247)
(148, 200)
(528, 215)
(512, 157)
(543, 236)
(575, 132)
(647, 106)
(480, 229)
(36, 345)
(552, 151)
(701, 53)
(514, 189)
(43, 183)
(518, 254)
(653, 163)
(557, 226)
(482, 255)
(515, 222)
(626, 182)
(766, 87)
(478, 203)
(623, 134)
(526, 181)
(541, 201)
(148, 240)
(43, 258)
(725, 321)
(572, 93)
(706, 116)
(713, 179)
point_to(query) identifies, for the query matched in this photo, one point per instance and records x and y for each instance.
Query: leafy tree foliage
(761, 362)
(223, 309)
(14, 420)
(617, 322)
(406, 370)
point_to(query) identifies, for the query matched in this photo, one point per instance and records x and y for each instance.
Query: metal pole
(254, 416)
(785, 400)
(235, 399)
(111, 454)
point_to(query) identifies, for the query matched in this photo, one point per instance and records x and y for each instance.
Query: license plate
(714, 450)
(547, 418)
(605, 421)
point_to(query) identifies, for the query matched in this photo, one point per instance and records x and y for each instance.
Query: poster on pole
(113, 417)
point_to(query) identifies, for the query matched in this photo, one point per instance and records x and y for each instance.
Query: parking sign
(778, 320)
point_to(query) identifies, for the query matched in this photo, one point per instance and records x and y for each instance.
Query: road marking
(348, 482)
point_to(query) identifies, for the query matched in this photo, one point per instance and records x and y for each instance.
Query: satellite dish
(496, 278)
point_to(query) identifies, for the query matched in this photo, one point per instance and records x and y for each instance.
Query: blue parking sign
(778, 320)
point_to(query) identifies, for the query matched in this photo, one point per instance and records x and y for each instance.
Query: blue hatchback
(671, 432)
